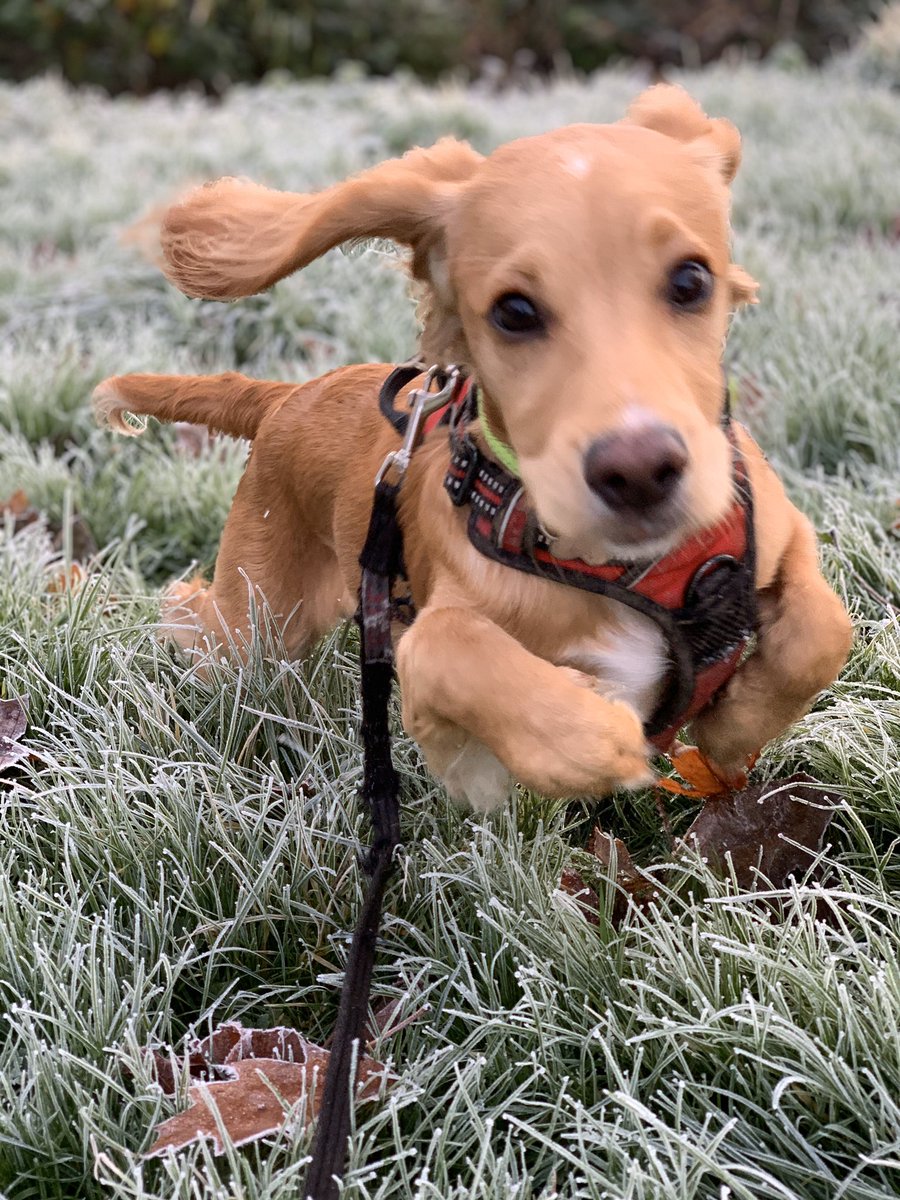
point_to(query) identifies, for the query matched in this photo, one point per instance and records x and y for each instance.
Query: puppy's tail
(229, 403)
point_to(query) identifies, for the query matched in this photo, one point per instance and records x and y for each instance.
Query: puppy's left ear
(670, 110)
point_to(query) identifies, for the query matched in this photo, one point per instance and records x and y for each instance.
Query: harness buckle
(422, 402)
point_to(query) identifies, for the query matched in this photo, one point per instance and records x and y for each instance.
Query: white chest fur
(628, 658)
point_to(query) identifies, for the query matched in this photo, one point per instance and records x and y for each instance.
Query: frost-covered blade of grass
(181, 849)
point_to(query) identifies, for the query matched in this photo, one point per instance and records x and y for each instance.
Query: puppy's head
(583, 275)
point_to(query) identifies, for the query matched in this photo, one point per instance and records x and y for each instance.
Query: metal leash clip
(423, 403)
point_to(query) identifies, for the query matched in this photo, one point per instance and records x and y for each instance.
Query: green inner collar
(503, 453)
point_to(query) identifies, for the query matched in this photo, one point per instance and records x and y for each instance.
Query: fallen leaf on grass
(628, 878)
(588, 901)
(702, 778)
(631, 883)
(383, 1023)
(166, 1067)
(12, 726)
(210, 1058)
(80, 538)
(69, 579)
(250, 1105)
(18, 506)
(769, 831)
(251, 1078)
(772, 829)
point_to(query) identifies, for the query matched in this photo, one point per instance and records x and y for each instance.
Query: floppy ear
(233, 237)
(669, 109)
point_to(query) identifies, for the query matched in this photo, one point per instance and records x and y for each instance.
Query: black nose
(636, 470)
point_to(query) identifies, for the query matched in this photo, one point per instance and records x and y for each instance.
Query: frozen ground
(178, 851)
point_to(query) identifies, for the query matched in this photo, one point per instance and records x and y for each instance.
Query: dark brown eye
(690, 285)
(516, 315)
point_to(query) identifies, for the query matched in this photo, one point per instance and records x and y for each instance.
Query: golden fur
(502, 673)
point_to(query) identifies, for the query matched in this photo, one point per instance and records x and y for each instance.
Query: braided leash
(381, 561)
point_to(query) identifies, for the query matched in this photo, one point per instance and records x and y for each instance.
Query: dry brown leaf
(19, 507)
(699, 778)
(165, 1069)
(756, 827)
(631, 884)
(767, 832)
(81, 542)
(17, 504)
(69, 579)
(252, 1078)
(383, 1023)
(628, 877)
(588, 901)
(78, 535)
(254, 1103)
(13, 723)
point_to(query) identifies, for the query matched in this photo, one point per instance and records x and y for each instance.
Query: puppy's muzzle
(637, 472)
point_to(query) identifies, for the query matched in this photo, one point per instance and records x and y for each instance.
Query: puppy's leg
(267, 555)
(804, 639)
(268, 552)
(183, 614)
(470, 691)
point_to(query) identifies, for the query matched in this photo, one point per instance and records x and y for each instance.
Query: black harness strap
(381, 561)
(391, 388)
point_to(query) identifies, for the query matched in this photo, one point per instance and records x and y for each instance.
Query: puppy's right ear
(233, 237)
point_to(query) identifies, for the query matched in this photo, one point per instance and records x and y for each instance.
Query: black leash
(381, 561)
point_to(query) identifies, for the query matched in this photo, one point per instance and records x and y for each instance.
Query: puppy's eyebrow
(516, 272)
(661, 228)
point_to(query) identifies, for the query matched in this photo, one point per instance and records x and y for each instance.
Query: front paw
(591, 750)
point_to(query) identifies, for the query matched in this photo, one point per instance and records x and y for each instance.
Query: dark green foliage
(140, 45)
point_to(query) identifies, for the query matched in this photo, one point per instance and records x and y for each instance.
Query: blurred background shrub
(876, 56)
(142, 45)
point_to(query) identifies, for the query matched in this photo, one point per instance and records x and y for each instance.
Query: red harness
(702, 595)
